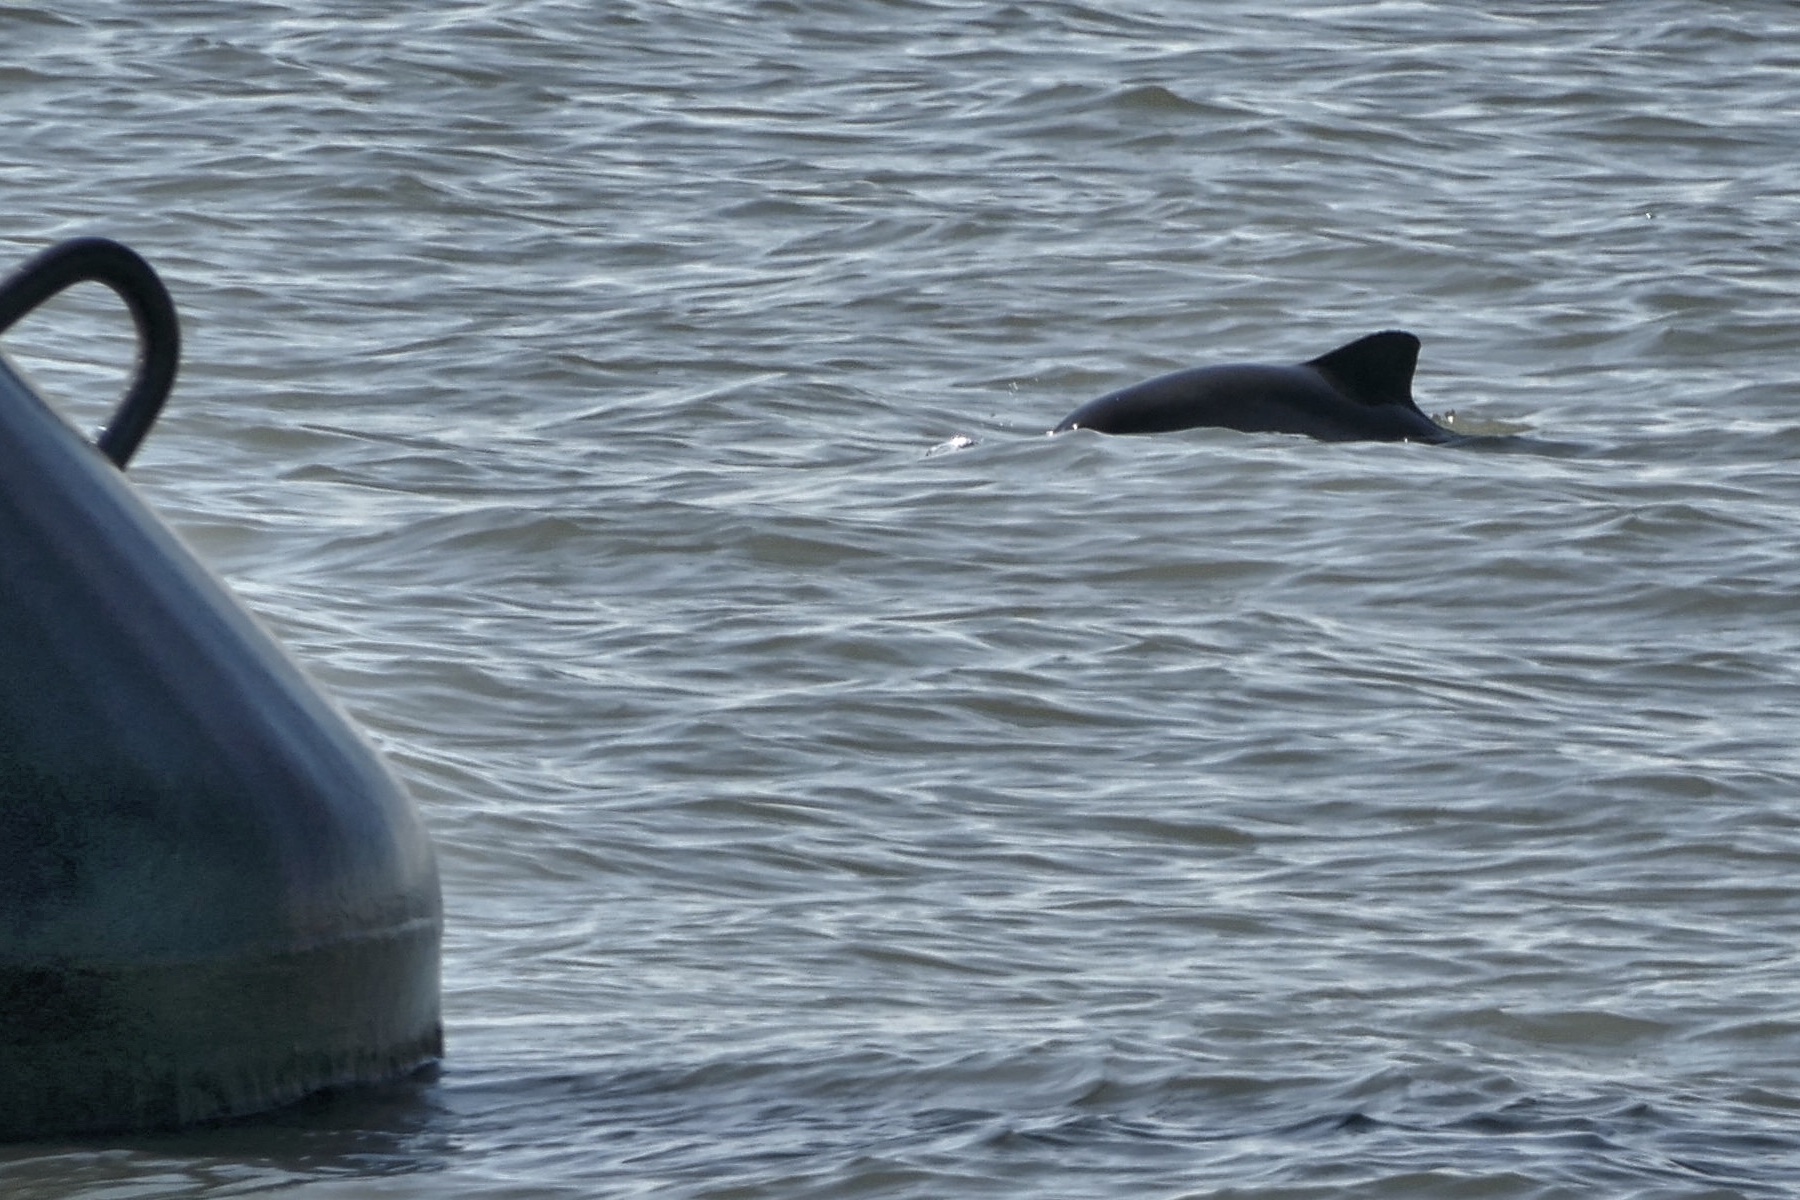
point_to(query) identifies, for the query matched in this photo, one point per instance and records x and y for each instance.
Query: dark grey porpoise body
(1358, 392)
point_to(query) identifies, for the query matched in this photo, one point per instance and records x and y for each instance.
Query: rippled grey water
(633, 413)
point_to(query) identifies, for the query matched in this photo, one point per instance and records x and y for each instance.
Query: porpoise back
(1359, 392)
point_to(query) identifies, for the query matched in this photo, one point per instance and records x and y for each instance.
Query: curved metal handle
(101, 260)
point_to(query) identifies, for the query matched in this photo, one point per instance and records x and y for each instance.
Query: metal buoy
(214, 898)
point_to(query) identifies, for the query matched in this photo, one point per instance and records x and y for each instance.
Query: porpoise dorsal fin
(1377, 369)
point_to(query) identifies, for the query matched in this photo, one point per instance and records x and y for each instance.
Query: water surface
(634, 415)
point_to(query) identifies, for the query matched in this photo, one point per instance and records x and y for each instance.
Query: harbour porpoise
(1359, 392)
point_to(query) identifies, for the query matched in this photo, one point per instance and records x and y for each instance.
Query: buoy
(214, 897)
